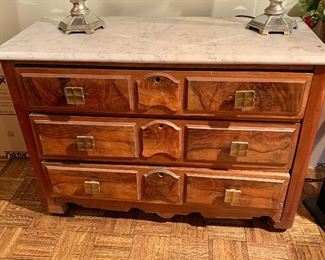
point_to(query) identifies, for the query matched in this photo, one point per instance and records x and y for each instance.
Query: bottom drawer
(183, 188)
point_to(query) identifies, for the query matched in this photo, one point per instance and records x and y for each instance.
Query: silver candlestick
(274, 19)
(80, 19)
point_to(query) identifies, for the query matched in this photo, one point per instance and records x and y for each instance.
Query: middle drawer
(177, 142)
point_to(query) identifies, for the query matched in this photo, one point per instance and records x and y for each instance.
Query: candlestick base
(266, 24)
(81, 23)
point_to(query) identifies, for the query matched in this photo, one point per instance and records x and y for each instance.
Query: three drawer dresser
(169, 115)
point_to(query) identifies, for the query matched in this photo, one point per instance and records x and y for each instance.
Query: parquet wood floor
(27, 232)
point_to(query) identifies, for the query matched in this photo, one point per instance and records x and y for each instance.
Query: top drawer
(241, 95)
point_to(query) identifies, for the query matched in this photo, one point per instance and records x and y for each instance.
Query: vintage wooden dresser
(169, 115)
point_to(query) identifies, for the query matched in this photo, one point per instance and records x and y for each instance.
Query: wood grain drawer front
(248, 94)
(252, 144)
(84, 138)
(161, 138)
(210, 94)
(91, 182)
(214, 193)
(77, 93)
(217, 144)
(236, 190)
(162, 186)
(158, 91)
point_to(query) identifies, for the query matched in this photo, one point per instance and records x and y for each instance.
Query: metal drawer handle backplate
(232, 196)
(238, 149)
(74, 95)
(85, 143)
(244, 99)
(92, 187)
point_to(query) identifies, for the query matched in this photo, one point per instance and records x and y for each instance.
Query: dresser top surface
(186, 40)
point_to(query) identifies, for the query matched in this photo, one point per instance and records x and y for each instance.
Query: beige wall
(15, 15)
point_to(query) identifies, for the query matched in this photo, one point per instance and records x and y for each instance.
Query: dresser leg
(57, 207)
(281, 225)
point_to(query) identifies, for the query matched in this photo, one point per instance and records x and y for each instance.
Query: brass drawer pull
(74, 95)
(85, 143)
(92, 187)
(232, 196)
(244, 99)
(238, 149)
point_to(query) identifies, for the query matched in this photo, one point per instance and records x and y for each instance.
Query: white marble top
(166, 40)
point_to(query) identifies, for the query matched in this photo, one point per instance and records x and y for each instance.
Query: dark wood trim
(163, 66)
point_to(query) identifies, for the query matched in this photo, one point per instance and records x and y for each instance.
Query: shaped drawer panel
(161, 137)
(158, 90)
(161, 185)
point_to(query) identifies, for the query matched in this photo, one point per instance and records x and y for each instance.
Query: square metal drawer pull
(232, 196)
(74, 95)
(238, 149)
(92, 187)
(244, 99)
(85, 143)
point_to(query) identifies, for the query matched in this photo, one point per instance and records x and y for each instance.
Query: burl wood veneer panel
(45, 91)
(81, 182)
(264, 95)
(161, 185)
(243, 191)
(158, 90)
(84, 137)
(161, 137)
(241, 143)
